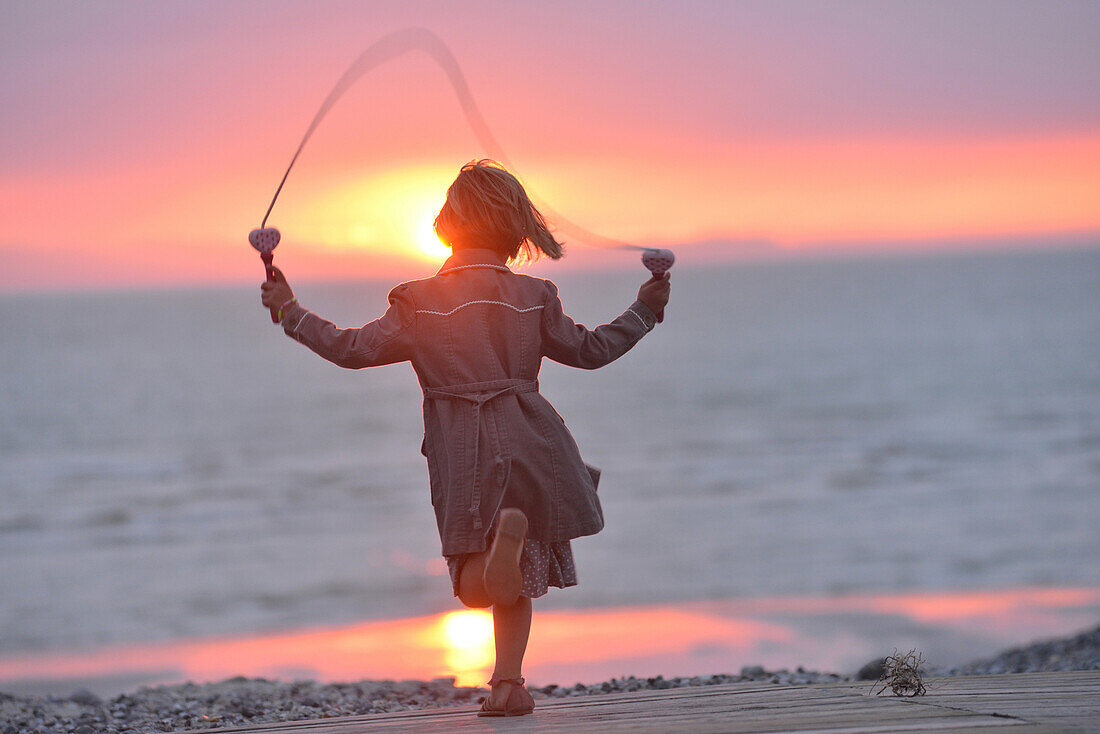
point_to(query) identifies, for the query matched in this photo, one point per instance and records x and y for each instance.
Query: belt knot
(477, 394)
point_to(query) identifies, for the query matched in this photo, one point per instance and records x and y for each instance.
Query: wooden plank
(1012, 704)
(724, 723)
(727, 722)
(1070, 701)
(867, 716)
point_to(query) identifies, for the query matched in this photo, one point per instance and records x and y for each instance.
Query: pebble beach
(240, 701)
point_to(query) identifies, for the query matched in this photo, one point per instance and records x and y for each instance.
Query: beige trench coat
(476, 334)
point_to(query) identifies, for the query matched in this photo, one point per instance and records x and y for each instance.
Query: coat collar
(473, 258)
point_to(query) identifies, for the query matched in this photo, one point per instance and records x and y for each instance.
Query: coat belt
(477, 394)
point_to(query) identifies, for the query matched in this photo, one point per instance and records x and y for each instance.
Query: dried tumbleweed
(901, 674)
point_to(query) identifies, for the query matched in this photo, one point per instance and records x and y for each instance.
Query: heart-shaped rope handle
(658, 262)
(265, 241)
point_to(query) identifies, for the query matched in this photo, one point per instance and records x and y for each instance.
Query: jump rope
(265, 239)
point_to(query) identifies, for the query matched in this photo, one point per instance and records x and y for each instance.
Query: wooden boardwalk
(1013, 704)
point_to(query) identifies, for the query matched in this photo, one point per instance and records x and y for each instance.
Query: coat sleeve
(385, 340)
(573, 344)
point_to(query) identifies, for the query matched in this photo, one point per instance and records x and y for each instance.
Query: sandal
(503, 580)
(519, 700)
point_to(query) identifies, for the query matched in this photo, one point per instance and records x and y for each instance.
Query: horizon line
(718, 250)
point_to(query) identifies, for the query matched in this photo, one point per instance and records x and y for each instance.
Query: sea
(173, 467)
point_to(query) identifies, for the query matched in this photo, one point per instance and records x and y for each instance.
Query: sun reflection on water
(468, 639)
(688, 638)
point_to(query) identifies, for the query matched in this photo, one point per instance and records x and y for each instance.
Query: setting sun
(428, 242)
(390, 213)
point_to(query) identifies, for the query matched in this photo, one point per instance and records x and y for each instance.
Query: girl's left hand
(273, 294)
(654, 293)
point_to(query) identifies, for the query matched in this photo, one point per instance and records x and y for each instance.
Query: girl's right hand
(654, 293)
(274, 294)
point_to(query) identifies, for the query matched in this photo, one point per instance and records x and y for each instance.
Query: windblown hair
(487, 207)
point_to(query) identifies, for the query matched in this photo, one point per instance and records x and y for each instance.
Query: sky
(142, 141)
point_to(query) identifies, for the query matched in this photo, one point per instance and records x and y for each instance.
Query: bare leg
(511, 621)
(471, 586)
(511, 628)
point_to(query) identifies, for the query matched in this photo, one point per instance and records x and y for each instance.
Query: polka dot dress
(542, 565)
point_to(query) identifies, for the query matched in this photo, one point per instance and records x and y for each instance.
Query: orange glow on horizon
(153, 225)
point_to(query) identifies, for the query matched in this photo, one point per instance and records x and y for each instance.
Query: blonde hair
(487, 207)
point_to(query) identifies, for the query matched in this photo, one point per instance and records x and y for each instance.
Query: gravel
(239, 701)
(1080, 652)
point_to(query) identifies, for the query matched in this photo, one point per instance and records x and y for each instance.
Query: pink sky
(143, 141)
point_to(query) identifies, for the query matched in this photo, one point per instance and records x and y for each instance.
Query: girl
(507, 481)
